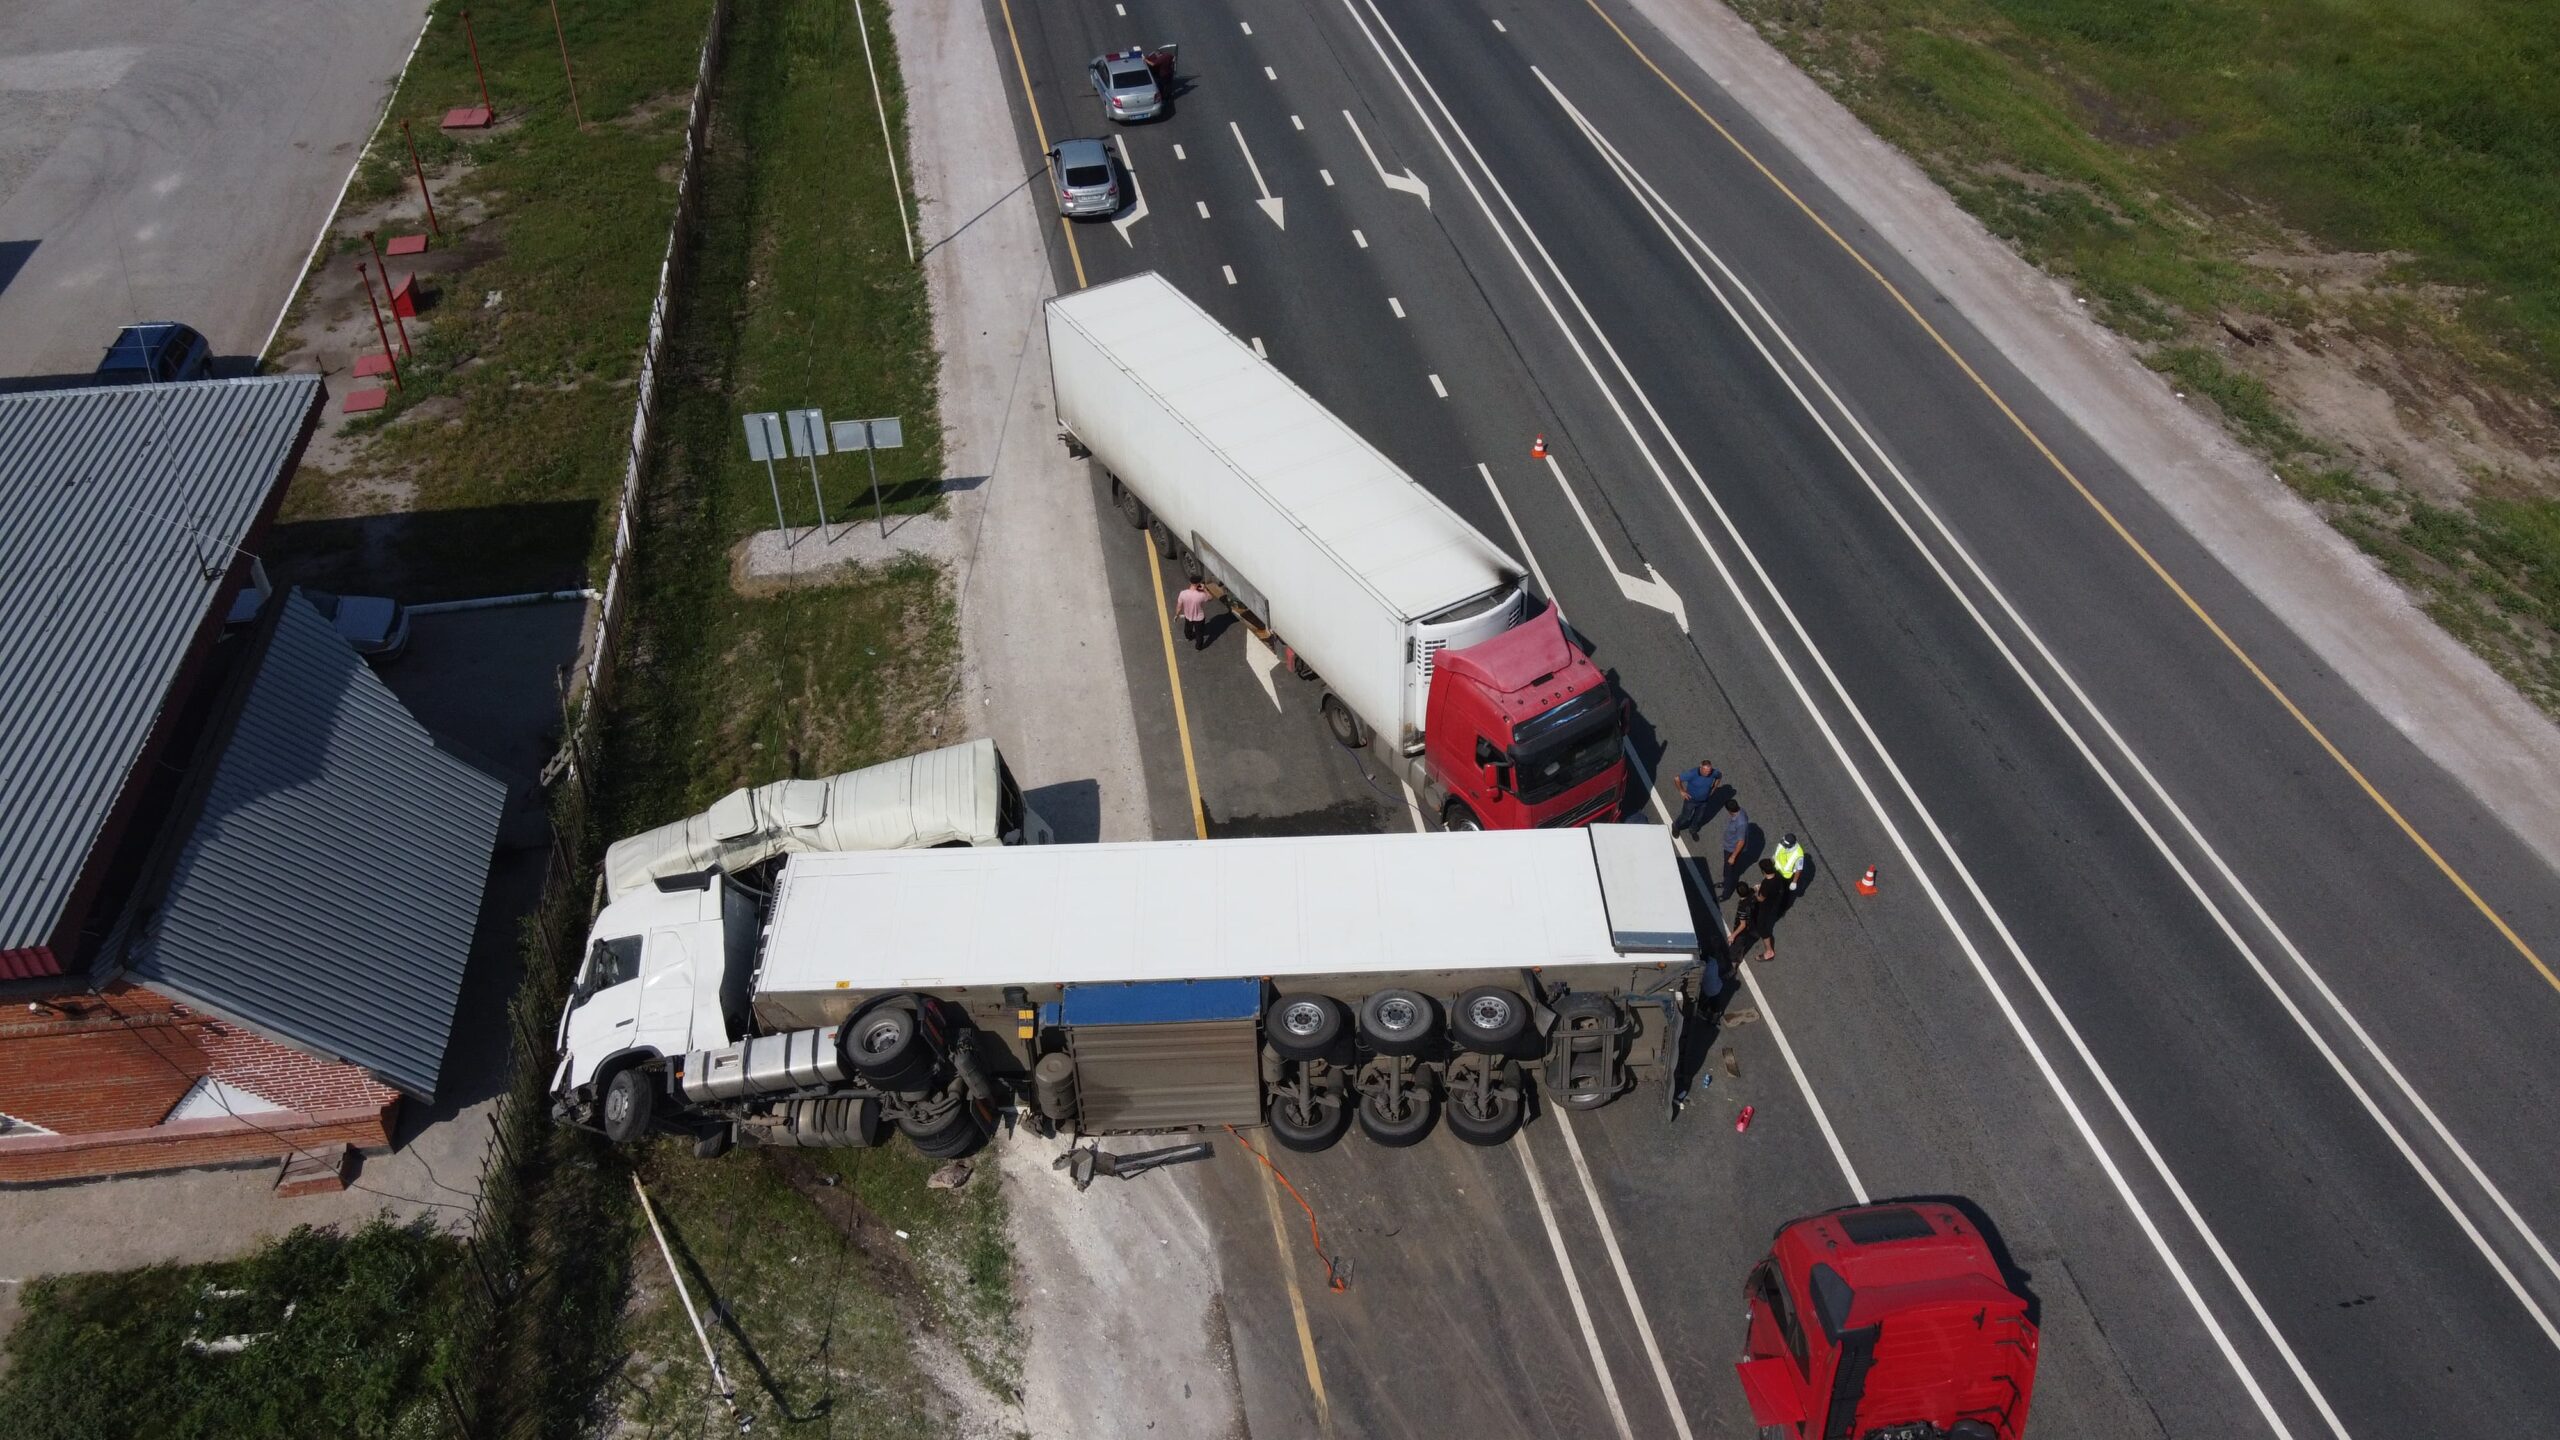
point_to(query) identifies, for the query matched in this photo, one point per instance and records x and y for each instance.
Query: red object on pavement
(368, 366)
(404, 296)
(406, 245)
(468, 117)
(1538, 448)
(1867, 882)
(1742, 1121)
(379, 333)
(359, 401)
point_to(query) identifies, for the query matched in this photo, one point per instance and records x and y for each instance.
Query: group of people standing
(1780, 873)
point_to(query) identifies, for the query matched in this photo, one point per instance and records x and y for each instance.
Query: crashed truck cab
(1523, 731)
(666, 973)
(1886, 1322)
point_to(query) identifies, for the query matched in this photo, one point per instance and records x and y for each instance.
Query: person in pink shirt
(1193, 606)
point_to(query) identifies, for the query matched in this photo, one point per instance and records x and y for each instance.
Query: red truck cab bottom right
(1886, 1322)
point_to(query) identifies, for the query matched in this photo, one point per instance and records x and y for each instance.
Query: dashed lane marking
(1573, 1289)
(1359, 239)
(1204, 208)
(1439, 389)
(1326, 176)
(1229, 271)
(1396, 305)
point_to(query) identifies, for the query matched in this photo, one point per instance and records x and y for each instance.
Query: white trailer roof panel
(1197, 910)
(1415, 553)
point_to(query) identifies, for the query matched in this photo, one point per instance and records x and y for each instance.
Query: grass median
(2331, 223)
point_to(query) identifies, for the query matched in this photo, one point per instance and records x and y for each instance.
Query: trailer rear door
(1165, 1054)
(1647, 902)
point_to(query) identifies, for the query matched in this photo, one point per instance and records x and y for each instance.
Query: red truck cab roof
(1890, 1320)
(1525, 671)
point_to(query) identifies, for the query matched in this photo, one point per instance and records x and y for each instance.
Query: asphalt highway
(2256, 1097)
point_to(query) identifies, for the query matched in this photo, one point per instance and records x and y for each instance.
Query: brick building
(238, 881)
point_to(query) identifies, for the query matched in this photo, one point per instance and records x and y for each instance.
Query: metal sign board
(851, 435)
(764, 436)
(885, 433)
(808, 432)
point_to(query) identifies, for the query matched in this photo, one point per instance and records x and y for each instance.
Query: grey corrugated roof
(328, 892)
(103, 586)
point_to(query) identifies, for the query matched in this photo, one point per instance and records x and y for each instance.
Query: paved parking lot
(161, 160)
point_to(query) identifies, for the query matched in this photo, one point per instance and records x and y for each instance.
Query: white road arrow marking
(1269, 202)
(1138, 211)
(1407, 182)
(1656, 592)
(1259, 655)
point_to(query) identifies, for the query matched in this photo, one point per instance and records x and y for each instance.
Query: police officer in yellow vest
(1789, 858)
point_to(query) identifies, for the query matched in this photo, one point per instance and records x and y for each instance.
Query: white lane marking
(1297, 123)
(1413, 806)
(1573, 1288)
(1327, 176)
(1626, 1282)
(1408, 182)
(1178, 155)
(1229, 271)
(1204, 208)
(1270, 74)
(1439, 389)
(1257, 348)
(1138, 211)
(1656, 592)
(1123, 10)
(1660, 209)
(1359, 239)
(2053, 1081)
(1396, 305)
(1244, 27)
(1499, 28)
(1258, 656)
(1269, 202)
(1516, 537)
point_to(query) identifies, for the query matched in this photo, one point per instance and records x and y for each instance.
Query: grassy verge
(2214, 176)
(347, 1333)
(507, 439)
(849, 1297)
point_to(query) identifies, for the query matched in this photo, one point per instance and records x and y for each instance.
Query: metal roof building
(329, 889)
(128, 511)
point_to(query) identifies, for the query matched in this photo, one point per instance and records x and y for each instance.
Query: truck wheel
(1304, 1027)
(1499, 1121)
(1459, 817)
(629, 1101)
(1396, 1126)
(884, 1047)
(1489, 1019)
(1399, 1022)
(1166, 545)
(1132, 509)
(1344, 725)
(1311, 1128)
(946, 1138)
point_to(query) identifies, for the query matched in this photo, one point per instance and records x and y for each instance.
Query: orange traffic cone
(1867, 882)
(1538, 450)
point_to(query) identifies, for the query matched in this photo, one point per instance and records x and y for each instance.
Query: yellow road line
(2100, 506)
(1191, 780)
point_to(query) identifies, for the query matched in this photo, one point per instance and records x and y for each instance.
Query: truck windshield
(610, 963)
(1556, 751)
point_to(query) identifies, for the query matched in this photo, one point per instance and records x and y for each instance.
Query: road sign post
(868, 436)
(764, 441)
(809, 441)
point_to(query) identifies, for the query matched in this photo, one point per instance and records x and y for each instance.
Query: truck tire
(1399, 1022)
(1132, 509)
(885, 1046)
(1459, 818)
(1500, 1123)
(1304, 1027)
(1317, 1128)
(945, 1137)
(1166, 545)
(1385, 1127)
(1489, 1020)
(629, 1102)
(1344, 725)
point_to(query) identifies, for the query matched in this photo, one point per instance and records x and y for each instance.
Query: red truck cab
(1523, 731)
(1886, 1322)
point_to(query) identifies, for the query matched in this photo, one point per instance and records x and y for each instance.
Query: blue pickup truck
(155, 351)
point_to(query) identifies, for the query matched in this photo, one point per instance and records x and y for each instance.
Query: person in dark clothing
(1757, 917)
(1737, 835)
(1697, 790)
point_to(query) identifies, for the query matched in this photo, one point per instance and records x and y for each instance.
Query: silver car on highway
(1088, 184)
(1128, 88)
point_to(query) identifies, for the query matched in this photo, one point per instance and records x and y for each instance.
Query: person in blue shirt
(1737, 836)
(1697, 789)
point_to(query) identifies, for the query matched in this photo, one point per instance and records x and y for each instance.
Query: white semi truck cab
(1301, 983)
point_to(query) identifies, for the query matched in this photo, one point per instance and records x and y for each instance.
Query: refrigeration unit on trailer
(1418, 628)
(1401, 980)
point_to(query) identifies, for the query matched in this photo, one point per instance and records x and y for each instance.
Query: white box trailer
(1141, 987)
(1419, 627)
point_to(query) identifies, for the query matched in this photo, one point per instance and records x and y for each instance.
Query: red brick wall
(35, 1159)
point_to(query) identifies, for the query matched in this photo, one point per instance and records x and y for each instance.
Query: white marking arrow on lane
(1408, 181)
(1269, 202)
(1259, 656)
(1656, 592)
(1138, 211)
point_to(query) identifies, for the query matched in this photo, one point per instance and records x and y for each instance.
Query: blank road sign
(851, 434)
(808, 433)
(885, 434)
(764, 436)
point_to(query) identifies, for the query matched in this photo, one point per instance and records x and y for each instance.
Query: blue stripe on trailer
(1157, 1002)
